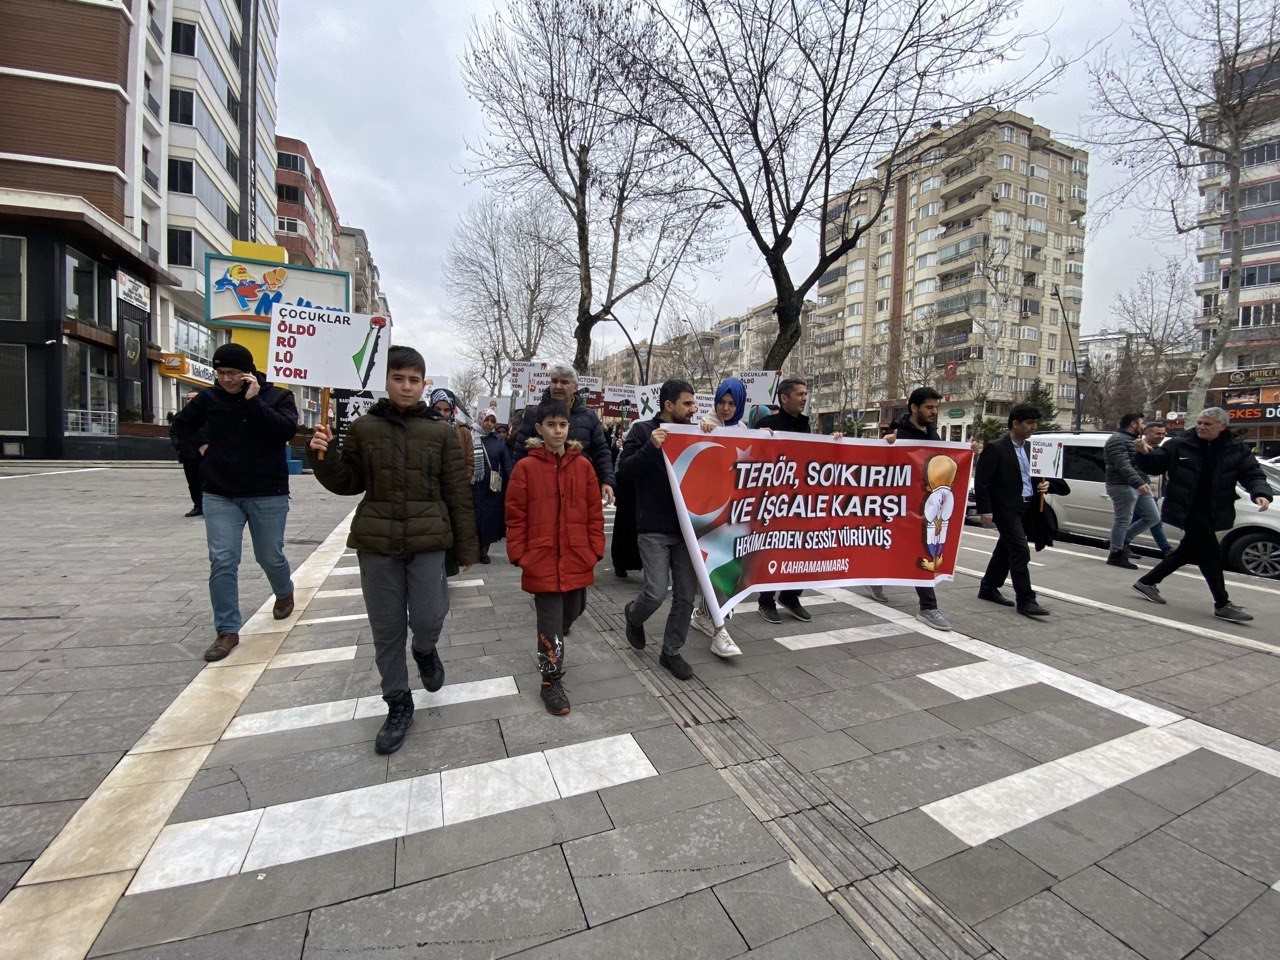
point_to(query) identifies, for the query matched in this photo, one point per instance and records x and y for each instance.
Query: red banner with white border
(765, 511)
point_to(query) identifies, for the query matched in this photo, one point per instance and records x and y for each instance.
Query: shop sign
(1254, 413)
(1253, 378)
(955, 413)
(241, 292)
(133, 291)
(182, 367)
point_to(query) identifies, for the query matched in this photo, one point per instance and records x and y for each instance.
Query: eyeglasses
(229, 374)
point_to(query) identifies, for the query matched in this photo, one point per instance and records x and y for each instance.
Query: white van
(1251, 546)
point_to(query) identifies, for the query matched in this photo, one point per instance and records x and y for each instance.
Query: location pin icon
(773, 567)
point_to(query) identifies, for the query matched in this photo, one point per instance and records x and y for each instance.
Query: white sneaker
(722, 645)
(702, 623)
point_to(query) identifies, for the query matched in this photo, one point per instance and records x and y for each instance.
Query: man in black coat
(584, 426)
(1008, 497)
(793, 394)
(1203, 467)
(240, 425)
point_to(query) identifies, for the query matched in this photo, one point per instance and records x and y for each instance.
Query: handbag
(495, 478)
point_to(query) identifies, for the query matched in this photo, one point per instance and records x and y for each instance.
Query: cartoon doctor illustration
(940, 473)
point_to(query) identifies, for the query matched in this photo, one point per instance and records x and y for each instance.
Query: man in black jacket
(662, 547)
(1203, 467)
(1127, 487)
(1007, 497)
(793, 394)
(584, 426)
(920, 423)
(240, 425)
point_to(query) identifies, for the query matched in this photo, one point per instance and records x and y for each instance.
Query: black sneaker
(770, 614)
(677, 664)
(1149, 591)
(1229, 611)
(430, 669)
(798, 611)
(555, 697)
(995, 596)
(399, 720)
(635, 632)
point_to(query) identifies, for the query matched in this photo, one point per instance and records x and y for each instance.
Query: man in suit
(1007, 497)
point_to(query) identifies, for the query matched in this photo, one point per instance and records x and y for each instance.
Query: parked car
(1251, 546)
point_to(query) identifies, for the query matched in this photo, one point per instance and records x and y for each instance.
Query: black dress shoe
(995, 596)
(194, 512)
(1032, 609)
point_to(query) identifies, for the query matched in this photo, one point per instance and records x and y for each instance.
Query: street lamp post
(1077, 410)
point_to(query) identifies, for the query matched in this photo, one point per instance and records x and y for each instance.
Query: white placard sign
(327, 348)
(647, 404)
(1046, 458)
(762, 386)
(539, 382)
(520, 372)
(706, 404)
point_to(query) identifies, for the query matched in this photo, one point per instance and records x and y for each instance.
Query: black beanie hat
(235, 356)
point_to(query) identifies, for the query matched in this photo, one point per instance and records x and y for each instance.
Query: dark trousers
(402, 594)
(786, 597)
(928, 598)
(1199, 546)
(191, 470)
(1011, 557)
(555, 614)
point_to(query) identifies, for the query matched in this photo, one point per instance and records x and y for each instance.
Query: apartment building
(366, 282)
(1247, 381)
(138, 136)
(307, 221)
(970, 279)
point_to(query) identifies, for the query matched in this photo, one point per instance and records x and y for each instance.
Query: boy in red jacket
(555, 534)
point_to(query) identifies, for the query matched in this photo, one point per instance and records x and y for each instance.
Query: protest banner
(327, 348)
(1046, 458)
(618, 401)
(591, 389)
(790, 511)
(706, 404)
(539, 383)
(521, 371)
(347, 405)
(762, 386)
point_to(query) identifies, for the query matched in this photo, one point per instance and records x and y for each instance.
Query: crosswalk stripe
(223, 846)
(306, 658)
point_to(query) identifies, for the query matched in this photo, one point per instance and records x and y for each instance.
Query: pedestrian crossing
(255, 840)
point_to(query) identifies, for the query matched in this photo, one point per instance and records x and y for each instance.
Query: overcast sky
(375, 90)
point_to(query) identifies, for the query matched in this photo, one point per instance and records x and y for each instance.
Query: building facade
(366, 282)
(970, 278)
(1247, 381)
(138, 135)
(307, 221)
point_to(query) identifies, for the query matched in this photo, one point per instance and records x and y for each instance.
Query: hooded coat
(408, 466)
(555, 524)
(584, 427)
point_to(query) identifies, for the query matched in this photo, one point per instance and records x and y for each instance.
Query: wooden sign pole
(324, 414)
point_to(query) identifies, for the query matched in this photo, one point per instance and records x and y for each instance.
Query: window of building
(287, 225)
(88, 291)
(233, 45)
(1256, 275)
(182, 106)
(233, 106)
(882, 306)
(1006, 134)
(1039, 171)
(1036, 225)
(884, 260)
(13, 252)
(926, 260)
(928, 234)
(180, 252)
(926, 286)
(183, 40)
(1051, 341)
(886, 236)
(1038, 200)
(882, 283)
(855, 310)
(289, 193)
(181, 176)
(291, 161)
(1028, 333)
(13, 389)
(930, 183)
(1002, 190)
(89, 396)
(930, 209)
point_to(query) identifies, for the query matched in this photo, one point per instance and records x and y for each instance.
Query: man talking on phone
(240, 425)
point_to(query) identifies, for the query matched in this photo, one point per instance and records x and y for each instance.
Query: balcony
(1076, 207)
(967, 178)
(90, 423)
(1071, 293)
(156, 31)
(152, 178)
(150, 252)
(1269, 333)
(153, 105)
(966, 206)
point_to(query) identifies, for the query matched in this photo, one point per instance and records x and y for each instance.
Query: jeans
(1147, 509)
(402, 593)
(1011, 557)
(1123, 499)
(1199, 546)
(224, 520)
(666, 560)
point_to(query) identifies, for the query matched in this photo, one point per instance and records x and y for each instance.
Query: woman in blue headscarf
(731, 404)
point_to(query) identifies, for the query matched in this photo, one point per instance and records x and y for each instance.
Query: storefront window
(11, 282)
(88, 292)
(90, 388)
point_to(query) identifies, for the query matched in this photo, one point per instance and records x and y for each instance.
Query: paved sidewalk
(857, 786)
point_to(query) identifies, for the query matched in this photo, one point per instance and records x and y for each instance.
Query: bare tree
(511, 289)
(466, 385)
(555, 121)
(1157, 315)
(784, 105)
(1180, 104)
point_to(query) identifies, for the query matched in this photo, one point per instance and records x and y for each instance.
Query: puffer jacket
(409, 467)
(1120, 454)
(246, 438)
(555, 525)
(1184, 459)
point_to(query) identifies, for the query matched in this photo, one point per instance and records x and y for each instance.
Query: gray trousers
(402, 593)
(666, 560)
